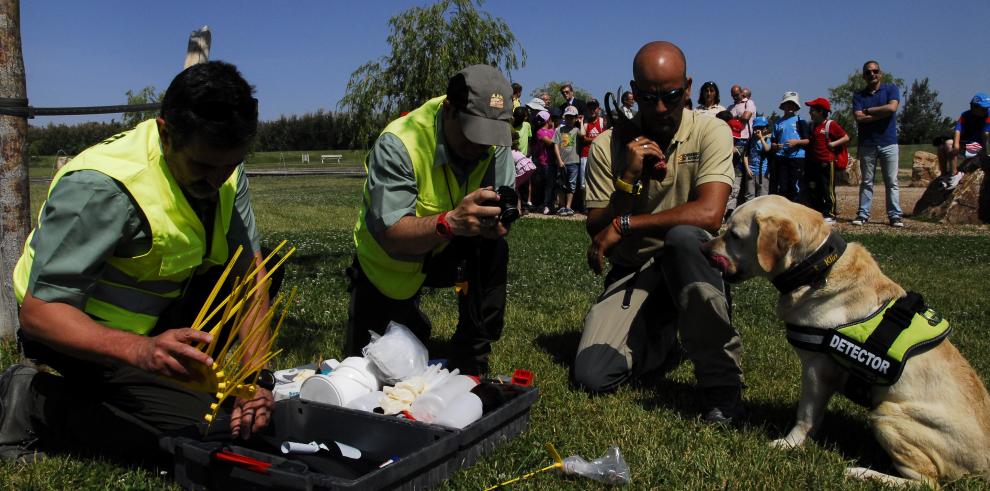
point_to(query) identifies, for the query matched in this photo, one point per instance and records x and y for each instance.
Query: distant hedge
(311, 131)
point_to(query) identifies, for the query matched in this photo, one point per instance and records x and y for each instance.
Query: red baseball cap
(820, 102)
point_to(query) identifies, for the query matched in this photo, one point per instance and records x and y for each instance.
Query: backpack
(841, 154)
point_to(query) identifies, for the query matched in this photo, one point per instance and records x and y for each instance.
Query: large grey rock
(968, 203)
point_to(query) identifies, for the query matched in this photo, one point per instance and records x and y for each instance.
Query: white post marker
(198, 50)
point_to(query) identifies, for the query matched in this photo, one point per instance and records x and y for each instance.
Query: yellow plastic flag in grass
(558, 463)
(234, 366)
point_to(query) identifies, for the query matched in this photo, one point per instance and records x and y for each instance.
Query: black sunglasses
(669, 97)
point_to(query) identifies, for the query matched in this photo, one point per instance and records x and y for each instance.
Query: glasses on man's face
(874, 71)
(669, 97)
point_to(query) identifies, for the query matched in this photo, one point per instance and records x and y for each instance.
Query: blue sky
(300, 54)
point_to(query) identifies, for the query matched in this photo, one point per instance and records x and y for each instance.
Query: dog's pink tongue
(720, 262)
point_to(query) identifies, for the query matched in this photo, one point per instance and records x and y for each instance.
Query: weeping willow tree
(426, 46)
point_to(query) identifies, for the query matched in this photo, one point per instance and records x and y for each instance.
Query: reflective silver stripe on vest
(130, 299)
(162, 287)
(805, 338)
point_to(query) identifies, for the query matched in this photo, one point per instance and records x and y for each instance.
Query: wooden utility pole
(198, 50)
(15, 202)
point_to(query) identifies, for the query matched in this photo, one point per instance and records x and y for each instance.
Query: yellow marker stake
(558, 464)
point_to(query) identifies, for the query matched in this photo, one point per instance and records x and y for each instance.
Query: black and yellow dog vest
(876, 349)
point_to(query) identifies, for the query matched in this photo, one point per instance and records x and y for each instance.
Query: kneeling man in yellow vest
(428, 218)
(116, 270)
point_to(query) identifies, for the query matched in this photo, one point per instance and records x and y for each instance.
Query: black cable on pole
(19, 107)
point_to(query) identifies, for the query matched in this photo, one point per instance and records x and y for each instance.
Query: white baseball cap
(570, 111)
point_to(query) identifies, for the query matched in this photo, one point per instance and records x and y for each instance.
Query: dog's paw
(864, 474)
(784, 444)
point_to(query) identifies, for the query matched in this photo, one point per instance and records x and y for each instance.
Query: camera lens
(507, 203)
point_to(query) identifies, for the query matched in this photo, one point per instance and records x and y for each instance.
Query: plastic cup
(367, 402)
(357, 375)
(462, 411)
(363, 366)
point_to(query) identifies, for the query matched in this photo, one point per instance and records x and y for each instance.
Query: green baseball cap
(483, 99)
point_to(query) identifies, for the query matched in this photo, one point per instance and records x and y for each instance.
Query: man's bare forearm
(71, 331)
(412, 236)
(598, 218)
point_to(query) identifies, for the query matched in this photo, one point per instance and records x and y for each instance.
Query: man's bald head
(736, 92)
(659, 60)
(661, 87)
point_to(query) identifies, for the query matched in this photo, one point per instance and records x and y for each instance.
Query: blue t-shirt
(883, 132)
(757, 156)
(971, 128)
(787, 129)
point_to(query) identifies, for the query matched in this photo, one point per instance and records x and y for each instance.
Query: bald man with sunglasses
(657, 188)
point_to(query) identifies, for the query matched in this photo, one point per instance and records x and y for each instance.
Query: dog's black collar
(814, 268)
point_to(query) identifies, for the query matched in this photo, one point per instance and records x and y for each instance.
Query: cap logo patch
(497, 101)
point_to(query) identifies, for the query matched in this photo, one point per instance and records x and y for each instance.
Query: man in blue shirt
(874, 108)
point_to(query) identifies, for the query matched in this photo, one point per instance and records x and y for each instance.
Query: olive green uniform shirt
(699, 153)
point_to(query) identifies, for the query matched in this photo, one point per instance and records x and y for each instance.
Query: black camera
(507, 200)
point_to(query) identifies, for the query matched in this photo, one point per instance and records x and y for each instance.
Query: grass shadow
(853, 438)
(842, 432)
(562, 347)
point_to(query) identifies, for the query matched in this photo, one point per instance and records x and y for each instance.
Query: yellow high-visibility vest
(437, 191)
(134, 291)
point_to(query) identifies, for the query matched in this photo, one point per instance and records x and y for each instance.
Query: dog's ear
(777, 234)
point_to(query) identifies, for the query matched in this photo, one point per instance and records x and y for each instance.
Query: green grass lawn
(550, 289)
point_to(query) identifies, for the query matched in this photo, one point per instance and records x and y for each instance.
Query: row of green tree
(426, 45)
(311, 131)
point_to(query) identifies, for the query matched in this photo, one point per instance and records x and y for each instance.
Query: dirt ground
(848, 197)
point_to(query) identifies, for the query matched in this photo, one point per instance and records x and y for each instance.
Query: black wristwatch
(266, 379)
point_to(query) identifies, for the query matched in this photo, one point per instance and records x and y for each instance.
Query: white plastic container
(430, 405)
(464, 410)
(335, 390)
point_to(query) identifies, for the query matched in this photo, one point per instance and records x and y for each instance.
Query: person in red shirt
(826, 138)
(589, 130)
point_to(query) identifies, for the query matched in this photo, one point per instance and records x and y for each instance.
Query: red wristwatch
(443, 228)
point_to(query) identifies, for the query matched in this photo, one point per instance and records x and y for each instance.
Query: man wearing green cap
(429, 218)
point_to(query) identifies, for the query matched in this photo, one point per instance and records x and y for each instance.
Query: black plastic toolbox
(423, 455)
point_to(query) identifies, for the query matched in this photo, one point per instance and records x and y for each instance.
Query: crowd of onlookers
(788, 156)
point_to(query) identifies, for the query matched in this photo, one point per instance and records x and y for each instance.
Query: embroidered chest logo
(497, 101)
(689, 158)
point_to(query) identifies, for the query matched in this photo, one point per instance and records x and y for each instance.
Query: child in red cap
(825, 141)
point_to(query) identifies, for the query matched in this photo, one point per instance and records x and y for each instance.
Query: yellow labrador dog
(934, 421)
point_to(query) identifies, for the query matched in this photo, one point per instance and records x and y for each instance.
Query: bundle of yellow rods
(235, 368)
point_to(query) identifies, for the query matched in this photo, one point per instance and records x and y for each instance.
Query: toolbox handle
(244, 461)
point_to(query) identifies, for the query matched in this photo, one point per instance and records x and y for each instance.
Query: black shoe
(723, 405)
(19, 454)
(15, 422)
